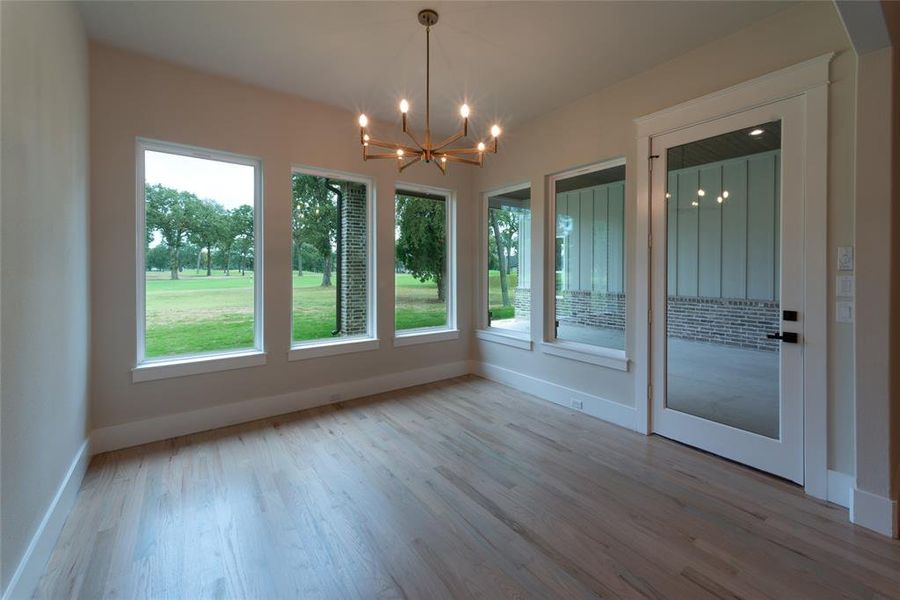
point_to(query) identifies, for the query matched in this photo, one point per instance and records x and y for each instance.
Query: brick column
(354, 259)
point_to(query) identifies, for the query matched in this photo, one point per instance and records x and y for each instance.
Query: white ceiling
(510, 60)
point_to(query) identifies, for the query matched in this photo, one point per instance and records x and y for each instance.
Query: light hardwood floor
(463, 488)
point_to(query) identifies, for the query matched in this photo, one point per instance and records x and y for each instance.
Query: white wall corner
(595, 406)
(145, 431)
(874, 512)
(31, 567)
(840, 488)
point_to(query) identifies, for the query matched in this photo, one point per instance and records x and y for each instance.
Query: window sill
(320, 349)
(424, 336)
(181, 367)
(604, 357)
(509, 338)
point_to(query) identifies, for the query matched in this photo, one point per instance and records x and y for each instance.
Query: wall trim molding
(33, 563)
(840, 488)
(595, 406)
(135, 433)
(874, 512)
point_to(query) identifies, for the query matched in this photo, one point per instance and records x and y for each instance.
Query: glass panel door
(722, 298)
(727, 271)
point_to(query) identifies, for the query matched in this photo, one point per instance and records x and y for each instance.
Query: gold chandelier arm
(412, 136)
(446, 142)
(468, 161)
(462, 151)
(401, 166)
(394, 146)
(440, 166)
(382, 155)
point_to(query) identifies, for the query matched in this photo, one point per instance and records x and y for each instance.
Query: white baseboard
(874, 512)
(34, 562)
(614, 412)
(135, 433)
(840, 488)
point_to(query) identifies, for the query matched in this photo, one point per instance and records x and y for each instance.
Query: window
(590, 256)
(509, 260)
(200, 290)
(424, 275)
(331, 266)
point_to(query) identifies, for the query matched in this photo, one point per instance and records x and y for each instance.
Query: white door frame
(808, 80)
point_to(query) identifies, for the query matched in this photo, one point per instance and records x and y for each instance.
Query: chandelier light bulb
(695, 203)
(668, 195)
(363, 120)
(399, 152)
(481, 146)
(404, 106)
(725, 194)
(495, 131)
(464, 111)
(701, 192)
(443, 159)
(720, 199)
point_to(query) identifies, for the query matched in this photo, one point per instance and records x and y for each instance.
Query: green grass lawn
(197, 313)
(495, 297)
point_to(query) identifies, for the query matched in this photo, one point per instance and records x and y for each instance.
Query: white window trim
(406, 337)
(196, 365)
(174, 366)
(587, 353)
(498, 335)
(598, 355)
(348, 345)
(424, 335)
(335, 346)
(483, 288)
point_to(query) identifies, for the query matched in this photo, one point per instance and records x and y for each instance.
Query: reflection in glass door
(723, 208)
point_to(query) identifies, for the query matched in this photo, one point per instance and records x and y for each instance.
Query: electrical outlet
(577, 404)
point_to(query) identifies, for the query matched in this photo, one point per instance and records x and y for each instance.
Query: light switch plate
(844, 286)
(845, 258)
(844, 312)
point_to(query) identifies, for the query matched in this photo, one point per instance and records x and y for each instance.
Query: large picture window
(423, 277)
(508, 264)
(198, 242)
(330, 258)
(590, 256)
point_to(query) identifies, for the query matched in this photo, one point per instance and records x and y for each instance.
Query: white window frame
(148, 369)
(450, 330)
(612, 358)
(499, 335)
(349, 344)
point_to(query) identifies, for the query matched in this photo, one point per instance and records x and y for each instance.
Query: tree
(236, 224)
(501, 256)
(206, 227)
(241, 226)
(315, 219)
(421, 246)
(170, 212)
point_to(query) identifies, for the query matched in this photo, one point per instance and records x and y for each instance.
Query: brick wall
(594, 310)
(742, 323)
(354, 260)
(522, 302)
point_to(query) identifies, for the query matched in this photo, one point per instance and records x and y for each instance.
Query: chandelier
(439, 153)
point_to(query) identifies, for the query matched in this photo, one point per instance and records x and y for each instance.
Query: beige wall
(601, 126)
(133, 96)
(44, 253)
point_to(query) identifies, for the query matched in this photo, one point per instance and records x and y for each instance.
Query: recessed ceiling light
(756, 132)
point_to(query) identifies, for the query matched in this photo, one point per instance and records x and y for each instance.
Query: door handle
(788, 336)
